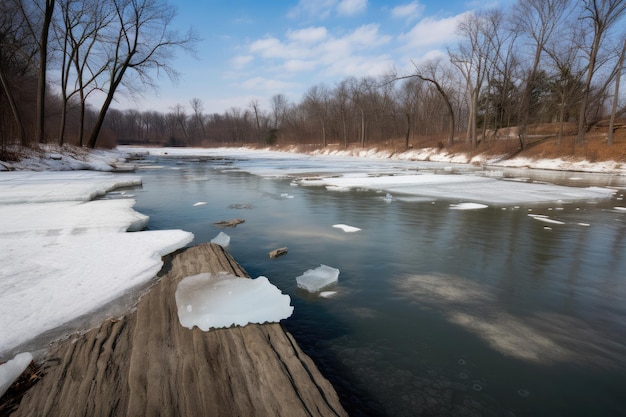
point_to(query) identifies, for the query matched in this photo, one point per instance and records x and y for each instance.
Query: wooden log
(147, 364)
(228, 223)
(278, 252)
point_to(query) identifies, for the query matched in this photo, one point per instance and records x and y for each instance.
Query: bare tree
(434, 73)
(17, 54)
(472, 58)
(539, 21)
(142, 41)
(43, 68)
(603, 14)
(198, 131)
(316, 100)
(618, 76)
(254, 105)
(79, 35)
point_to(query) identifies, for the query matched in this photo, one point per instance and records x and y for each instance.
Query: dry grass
(543, 143)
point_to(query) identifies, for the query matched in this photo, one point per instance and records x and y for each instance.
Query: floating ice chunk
(546, 219)
(583, 224)
(221, 239)
(200, 203)
(618, 208)
(346, 228)
(388, 198)
(12, 370)
(314, 280)
(328, 294)
(468, 206)
(286, 196)
(224, 300)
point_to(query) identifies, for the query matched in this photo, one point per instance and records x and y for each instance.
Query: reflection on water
(437, 311)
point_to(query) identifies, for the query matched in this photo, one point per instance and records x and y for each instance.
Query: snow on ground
(225, 300)
(64, 255)
(67, 158)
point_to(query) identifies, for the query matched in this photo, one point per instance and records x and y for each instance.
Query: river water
(488, 312)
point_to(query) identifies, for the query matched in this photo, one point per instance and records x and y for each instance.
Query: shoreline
(146, 363)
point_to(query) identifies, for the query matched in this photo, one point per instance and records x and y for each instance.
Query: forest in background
(541, 71)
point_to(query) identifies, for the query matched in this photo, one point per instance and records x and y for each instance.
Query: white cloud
(317, 8)
(241, 61)
(308, 35)
(268, 84)
(431, 31)
(408, 11)
(322, 9)
(310, 48)
(299, 65)
(351, 7)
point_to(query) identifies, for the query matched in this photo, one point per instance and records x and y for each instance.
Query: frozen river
(467, 291)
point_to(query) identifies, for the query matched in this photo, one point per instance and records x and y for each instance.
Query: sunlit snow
(224, 300)
(63, 256)
(314, 280)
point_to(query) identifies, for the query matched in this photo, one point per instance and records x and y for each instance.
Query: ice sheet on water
(463, 187)
(200, 203)
(63, 257)
(38, 187)
(314, 280)
(72, 217)
(221, 239)
(225, 300)
(50, 280)
(11, 370)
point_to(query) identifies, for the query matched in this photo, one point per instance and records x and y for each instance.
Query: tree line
(539, 61)
(56, 55)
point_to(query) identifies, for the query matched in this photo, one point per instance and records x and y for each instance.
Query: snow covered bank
(438, 155)
(63, 256)
(66, 158)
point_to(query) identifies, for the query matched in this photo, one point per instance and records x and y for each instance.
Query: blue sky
(252, 49)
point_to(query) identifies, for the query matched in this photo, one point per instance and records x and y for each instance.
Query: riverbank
(139, 360)
(146, 363)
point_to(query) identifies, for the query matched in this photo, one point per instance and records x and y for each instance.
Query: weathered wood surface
(228, 223)
(147, 364)
(278, 252)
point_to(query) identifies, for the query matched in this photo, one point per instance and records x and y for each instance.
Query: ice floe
(221, 239)
(64, 255)
(314, 280)
(346, 228)
(12, 369)
(468, 206)
(224, 300)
